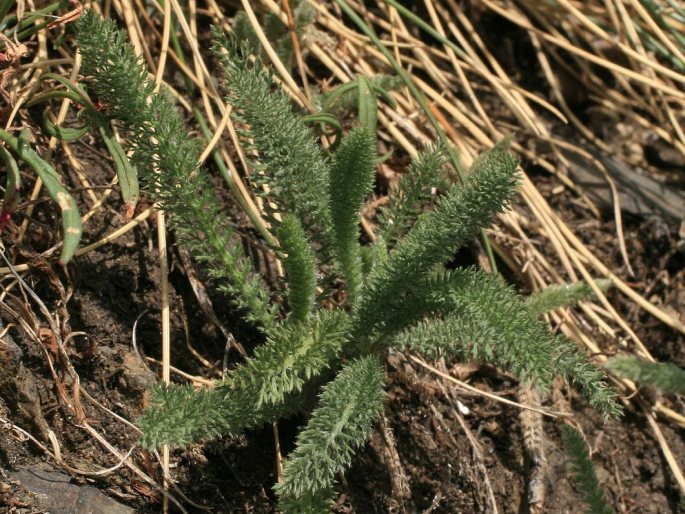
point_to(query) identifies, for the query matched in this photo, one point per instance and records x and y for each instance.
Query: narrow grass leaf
(71, 219)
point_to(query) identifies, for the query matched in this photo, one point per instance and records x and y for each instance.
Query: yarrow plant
(398, 292)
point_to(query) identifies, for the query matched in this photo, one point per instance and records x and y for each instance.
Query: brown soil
(117, 284)
(442, 454)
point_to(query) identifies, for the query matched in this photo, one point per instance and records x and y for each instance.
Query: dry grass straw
(467, 90)
(469, 67)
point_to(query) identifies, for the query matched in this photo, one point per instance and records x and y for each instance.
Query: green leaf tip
(583, 472)
(168, 161)
(294, 353)
(474, 315)
(300, 266)
(666, 376)
(348, 408)
(318, 502)
(284, 154)
(352, 174)
(415, 189)
(457, 217)
(121, 78)
(564, 295)
(255, 392)
(180, 415)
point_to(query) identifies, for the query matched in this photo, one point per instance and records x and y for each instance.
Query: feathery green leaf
(167, 160)
(352, 173)
(584, 475)
(261, 389)
(318, 502)
(414, 190)
(374, 255)
(665, 376)
(120, 78)
(279, 34)
(286, 156)
(438, 234)
(480, 317)
(567, 295)
(294, 353)
(300, 267)
(349, 406)
(181, 415)
(275, 31)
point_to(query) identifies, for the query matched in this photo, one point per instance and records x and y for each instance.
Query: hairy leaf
(352, 173)
(318, 502)
(348, 408)
(294, 353)
(285, 155)
(584, 475)
(567, 295)
(167, 160)
(665, 376)
(414, 190)
(475, 315)
(181, 415)
(300, 266)
(438, 234)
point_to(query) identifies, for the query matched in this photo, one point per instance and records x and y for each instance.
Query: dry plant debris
(593, 79)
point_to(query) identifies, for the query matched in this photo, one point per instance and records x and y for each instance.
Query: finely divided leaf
(414, 190)
(167, 160)
(300, 267)
(566, 295)
(284, 153)
(438, 234)
(294, 353)
(666, 376)
(584, 474)
(475, 315)
(352, 174)
(348, 408)
(318, 502)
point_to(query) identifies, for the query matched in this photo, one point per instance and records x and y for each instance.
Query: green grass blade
(67, 134)
(71, 219)
(126, 172)
(12, 185)
(368, 110)
(5, 6)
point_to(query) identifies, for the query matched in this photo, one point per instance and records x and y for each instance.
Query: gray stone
(51, 492)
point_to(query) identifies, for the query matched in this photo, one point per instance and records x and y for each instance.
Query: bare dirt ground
(440, 449)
